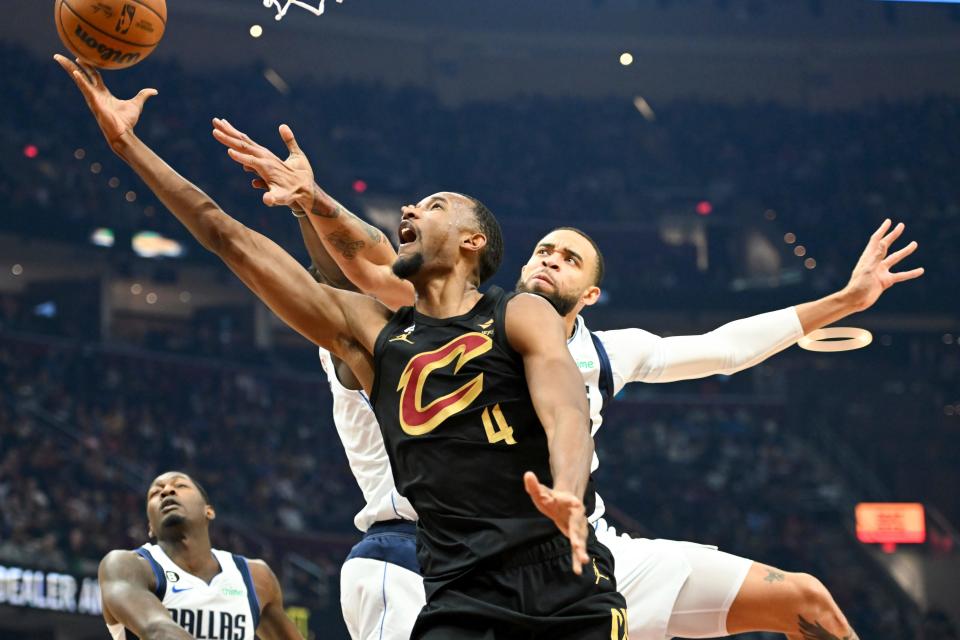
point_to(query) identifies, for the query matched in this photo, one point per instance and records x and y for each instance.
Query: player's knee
(814, 602)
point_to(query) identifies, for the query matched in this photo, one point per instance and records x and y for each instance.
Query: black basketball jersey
(460, 430)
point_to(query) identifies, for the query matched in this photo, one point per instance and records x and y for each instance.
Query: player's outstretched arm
(360, 249)
(127, 588)
(338, 320)
(537, 333)
(274, 623)
(643, 357)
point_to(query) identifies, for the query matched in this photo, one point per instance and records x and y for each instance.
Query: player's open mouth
(168, 504)
(406, 233)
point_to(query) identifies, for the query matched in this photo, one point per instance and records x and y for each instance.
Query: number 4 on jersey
(502, 432)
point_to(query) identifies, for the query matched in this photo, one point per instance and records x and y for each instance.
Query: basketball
(111, 34)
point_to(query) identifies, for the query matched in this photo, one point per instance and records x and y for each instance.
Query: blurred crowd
(739, 478)
(765, 170)
(83, 431)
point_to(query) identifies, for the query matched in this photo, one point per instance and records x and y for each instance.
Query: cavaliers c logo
(416, 419)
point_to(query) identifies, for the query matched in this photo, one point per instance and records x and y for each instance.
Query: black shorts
(530, 594)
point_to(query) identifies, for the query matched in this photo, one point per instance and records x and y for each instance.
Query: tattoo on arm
(340, 240)
(344, 239)
(773, 576)
(375, 236)
(815, 631)
(319, 211)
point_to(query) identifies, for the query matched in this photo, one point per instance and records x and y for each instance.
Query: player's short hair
(600, 268)
(196, 483)
(492, 254)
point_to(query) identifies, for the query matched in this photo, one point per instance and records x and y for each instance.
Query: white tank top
(360, 434)
(593, 368)
(225, 609)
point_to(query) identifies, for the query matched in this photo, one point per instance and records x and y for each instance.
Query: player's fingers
(65, 63)
(897, 256)
(76, 74)
(246, 159)
(84, 85)
(541, 496)
(891, 237)
(91, 72)
(144, 95)
(228, 140)
(246, 145)
(536, 490)
(903, 276)
(233, 131)
(578, 542)
(882, 229)
(576, 535)
(258, 184)
(286, 134)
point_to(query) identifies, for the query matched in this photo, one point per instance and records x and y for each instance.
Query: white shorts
(381, 592)
(673, 589)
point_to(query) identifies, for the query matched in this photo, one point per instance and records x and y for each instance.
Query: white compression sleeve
(640, 356)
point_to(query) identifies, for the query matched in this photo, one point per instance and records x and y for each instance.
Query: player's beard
(173, 520)
(406, 266)
(564, 304)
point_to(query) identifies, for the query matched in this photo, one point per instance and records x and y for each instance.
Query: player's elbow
(232, 243)
(218, 233)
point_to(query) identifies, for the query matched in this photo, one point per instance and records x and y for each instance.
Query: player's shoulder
(126, 565)
(529, 303)
(264, 579)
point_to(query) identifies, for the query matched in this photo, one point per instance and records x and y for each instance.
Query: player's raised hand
(567, 512)
(115, 117)
(872, 275)
(285, 181)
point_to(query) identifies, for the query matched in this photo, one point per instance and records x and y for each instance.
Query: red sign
(891, 522)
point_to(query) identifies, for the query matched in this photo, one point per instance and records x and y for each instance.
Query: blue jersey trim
(158, 573)
(606, 371)
(393, 503)
(366, 399)
(252, 599)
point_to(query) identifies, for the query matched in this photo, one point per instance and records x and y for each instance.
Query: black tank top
(460, 430)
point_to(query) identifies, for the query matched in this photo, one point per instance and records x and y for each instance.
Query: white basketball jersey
(225, 609)
(600, 387)
(360, 433)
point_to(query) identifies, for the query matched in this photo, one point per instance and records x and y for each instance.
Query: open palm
(567, 512)
(284, 180)
(872, 275)
(115, 117)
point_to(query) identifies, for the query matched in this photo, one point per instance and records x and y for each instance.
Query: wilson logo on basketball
(106, 53)
(417, 419)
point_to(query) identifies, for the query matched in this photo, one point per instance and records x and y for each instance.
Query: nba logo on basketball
(126, 18)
